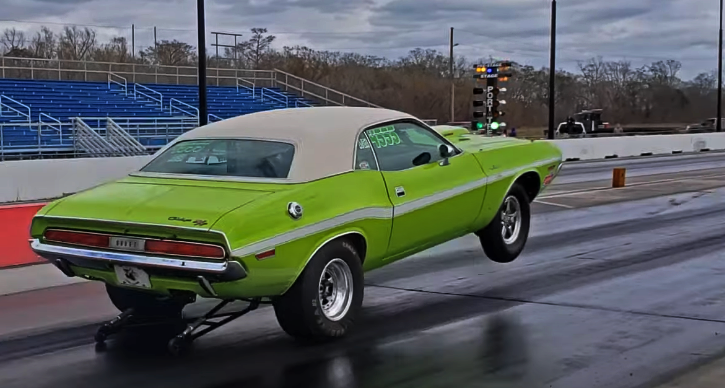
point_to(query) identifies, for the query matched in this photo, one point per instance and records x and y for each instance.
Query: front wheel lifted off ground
(326, 298)
(504, 238)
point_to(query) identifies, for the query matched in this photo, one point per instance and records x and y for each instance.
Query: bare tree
(75, 43)
(12, 40)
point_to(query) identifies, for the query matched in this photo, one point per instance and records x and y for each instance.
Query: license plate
(129, 244)
(132, 276)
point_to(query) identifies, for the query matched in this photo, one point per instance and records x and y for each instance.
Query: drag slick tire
(504, 238)
(325, 299)
(147, 304)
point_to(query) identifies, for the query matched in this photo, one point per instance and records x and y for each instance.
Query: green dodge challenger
(290, 207)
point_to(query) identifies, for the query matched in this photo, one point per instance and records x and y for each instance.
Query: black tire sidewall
(491, 239)
(300, 307)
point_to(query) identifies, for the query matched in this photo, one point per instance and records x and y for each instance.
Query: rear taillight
(165, 247)
(78, 238)
(184, 249)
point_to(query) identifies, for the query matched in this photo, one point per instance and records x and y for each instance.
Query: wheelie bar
(180, 343)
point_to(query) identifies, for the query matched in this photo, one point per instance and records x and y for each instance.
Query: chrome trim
(131, 237)
(134, 223)
(127, 258)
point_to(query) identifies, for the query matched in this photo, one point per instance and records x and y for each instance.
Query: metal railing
(54, 124)
(241, 84)
(162, 129)
(299, 103)
(274, 96)
(123, 141)
(50, 137)
(174, 105)
(5, 102)
(147, 92)
(70, 70)
(87, 141)
(53, 69)
(212, 117)
(290, 82)
(24, 140)
(118, 80)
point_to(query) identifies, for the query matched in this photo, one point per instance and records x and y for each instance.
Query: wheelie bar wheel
(111, 327)
(180, 344)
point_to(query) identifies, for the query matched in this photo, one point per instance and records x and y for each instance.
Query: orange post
(618, 177)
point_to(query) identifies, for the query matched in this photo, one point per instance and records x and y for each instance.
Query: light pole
(201, 71)
(552, 71)
(453, 85)
(718, 126)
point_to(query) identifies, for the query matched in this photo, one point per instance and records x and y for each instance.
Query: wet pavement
(630, 294)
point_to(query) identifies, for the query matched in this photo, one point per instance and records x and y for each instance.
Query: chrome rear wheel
(335, 289)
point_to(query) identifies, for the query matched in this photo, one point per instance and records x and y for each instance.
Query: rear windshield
(225, 157)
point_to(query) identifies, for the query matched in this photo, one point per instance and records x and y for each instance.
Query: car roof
(324, 137)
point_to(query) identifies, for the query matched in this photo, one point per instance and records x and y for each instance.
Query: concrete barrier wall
(626, 146)
(34, 180)
(30, 180)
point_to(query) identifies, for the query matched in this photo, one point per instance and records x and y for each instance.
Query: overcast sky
(638, 30)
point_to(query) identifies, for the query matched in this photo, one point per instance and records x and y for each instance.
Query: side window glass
(365, 159)
(397, 146)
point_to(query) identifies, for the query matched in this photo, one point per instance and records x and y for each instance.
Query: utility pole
(453, 85)
(201, 71)
(552, 71)
(718, 126)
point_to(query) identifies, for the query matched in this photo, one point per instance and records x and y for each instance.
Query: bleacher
(150, 114)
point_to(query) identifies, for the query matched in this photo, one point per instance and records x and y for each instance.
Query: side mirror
(446, 151)
(422, 159)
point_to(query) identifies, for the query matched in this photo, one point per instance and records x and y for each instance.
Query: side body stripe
(379, 212)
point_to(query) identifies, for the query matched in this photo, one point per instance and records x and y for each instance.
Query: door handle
(400, 191)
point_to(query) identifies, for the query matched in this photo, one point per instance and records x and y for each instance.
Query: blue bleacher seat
(64, 100)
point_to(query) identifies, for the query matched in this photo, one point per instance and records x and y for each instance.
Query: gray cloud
(638, 30)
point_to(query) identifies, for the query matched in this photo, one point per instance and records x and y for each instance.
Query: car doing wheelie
(291, 207)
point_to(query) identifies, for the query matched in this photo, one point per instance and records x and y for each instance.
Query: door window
(399, 146)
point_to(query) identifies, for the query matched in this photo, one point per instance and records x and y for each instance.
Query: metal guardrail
(89, 142)
(5, 102)
(70, 70)
(58, 127)
(241, 84)
(162, 128)
(53, 69)
(30, 140)
(272, 95)
(124, 142)
(147, 93)
(118, 80)
(174, 105)
(301, 86)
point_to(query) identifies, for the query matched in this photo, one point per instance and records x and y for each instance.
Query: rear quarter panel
(355, 202)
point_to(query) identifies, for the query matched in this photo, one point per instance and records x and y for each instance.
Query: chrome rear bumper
(95, 259)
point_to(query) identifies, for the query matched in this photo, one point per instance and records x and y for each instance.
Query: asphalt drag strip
(623, 295)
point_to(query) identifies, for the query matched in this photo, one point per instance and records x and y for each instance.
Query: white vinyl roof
(324, 137)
